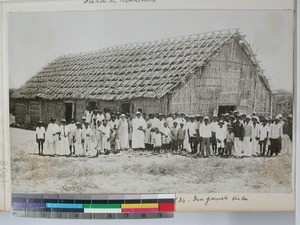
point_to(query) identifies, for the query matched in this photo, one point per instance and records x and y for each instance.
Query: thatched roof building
(194, 74)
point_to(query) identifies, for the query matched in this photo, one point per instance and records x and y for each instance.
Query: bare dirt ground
(143, 172)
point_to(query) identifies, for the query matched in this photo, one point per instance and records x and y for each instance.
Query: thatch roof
(129, 71)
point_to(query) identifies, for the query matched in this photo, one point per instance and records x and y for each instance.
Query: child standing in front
(40, 137)
(229, 142)
(157, 140)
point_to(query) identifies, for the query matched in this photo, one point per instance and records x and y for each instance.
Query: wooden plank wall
(19, 110)
(34, 111)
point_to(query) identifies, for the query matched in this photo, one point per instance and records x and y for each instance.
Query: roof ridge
(139, 44)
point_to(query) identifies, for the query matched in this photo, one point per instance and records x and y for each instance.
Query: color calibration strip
(93, 206)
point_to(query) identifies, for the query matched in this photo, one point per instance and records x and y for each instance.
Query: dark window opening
(226, 109)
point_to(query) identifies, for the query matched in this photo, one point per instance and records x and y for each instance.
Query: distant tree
(282, 102)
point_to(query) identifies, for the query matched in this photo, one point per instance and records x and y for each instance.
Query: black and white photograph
(151, 101)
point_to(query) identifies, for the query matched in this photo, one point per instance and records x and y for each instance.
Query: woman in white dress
(52, 137)
(138, 132)
(123, 133)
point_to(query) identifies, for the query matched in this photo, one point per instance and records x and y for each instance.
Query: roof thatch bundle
(130, 71)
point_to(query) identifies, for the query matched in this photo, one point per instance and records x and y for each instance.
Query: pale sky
(35, 39)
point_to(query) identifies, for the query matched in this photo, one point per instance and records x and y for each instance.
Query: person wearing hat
(263, 137)
(100, 116)
(221, 136)
(235, 113)
(138, 131)
(238, 130)
(229, 142)
(205, 135)
(40, 133)
(64, 131)
(86, 136)
(78, 140)
(248, 130)
(287, 135)
(123, 133)
(186, 141)
(226, 121)
(214, 126)
(231, 120)
(72, 128)
(243, 118)
(255, 136)
(98, 137)
(276, 134)
(52, 137)
(193, 135)
(269, 123)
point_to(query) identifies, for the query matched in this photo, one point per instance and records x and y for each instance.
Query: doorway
(225, 109)
(92, 105)
(125, 107)
(68, 111)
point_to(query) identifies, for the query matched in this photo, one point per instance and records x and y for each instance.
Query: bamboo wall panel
(229, 79)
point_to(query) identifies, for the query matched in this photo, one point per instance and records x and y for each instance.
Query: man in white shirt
(72, 128)
(221, 136)
(64, 138)
(100, 116)
(263, 137)
(205, 135)
(87, 135)
(192, 134)
(255, 136)
(52, 136)
(275, 136)
(214, 127)
(40, 137)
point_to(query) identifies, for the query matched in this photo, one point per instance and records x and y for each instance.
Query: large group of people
(232, 134)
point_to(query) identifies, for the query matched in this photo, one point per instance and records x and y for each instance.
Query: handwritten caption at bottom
(208, 200)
